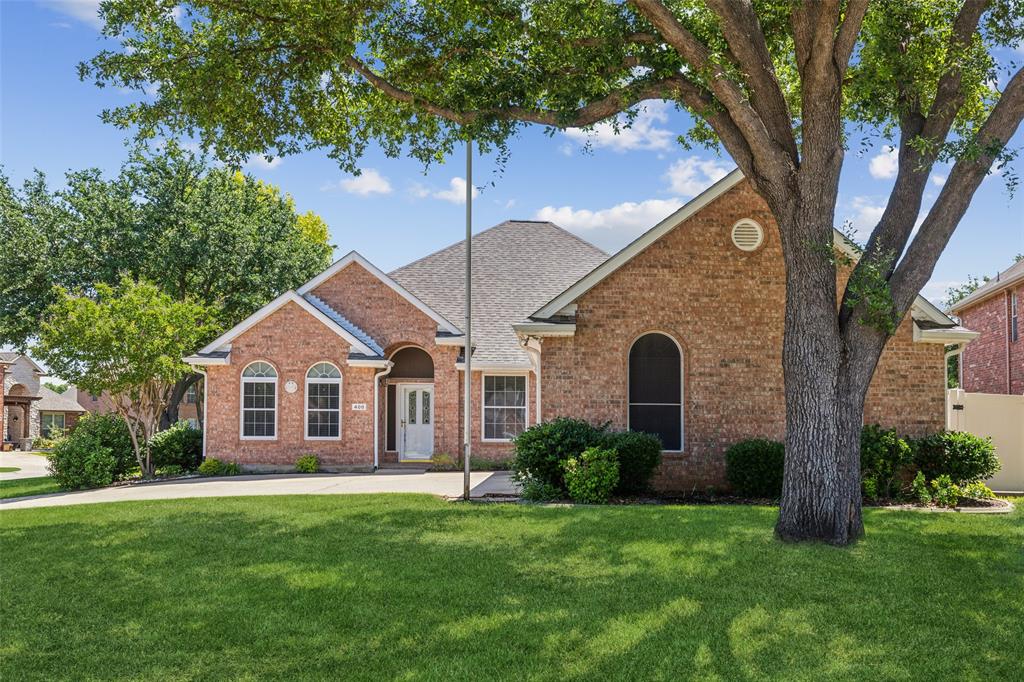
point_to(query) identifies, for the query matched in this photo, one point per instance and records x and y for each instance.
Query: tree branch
(916, 266)
(742, 30)
(846, 39)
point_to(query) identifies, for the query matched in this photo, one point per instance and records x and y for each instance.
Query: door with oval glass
(416, 414)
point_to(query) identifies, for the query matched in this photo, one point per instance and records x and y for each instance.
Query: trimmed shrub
(109, 431)
(44, 443)
(977, 491)
(82, 462)
(592, 476)
(945, 493)
(215, 467)
(542, 450)
(181, 446)
(307, 464)
(754, 467)
(883, 456)
(964, 457)
(639, 455)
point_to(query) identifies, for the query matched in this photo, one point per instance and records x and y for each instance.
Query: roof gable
(354, 257)
(922, 307)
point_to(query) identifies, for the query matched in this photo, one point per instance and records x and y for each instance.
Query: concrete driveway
(29, 466)
(444, 484)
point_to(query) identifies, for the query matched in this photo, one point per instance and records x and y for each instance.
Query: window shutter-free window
(504, 407)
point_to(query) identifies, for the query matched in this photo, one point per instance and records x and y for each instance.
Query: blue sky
(395, 213)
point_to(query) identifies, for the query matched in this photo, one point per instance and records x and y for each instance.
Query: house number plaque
(359, 407)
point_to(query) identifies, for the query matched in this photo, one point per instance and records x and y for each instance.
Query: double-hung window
(259, 401)
(504, 407)
(323, 402)
(51, 424)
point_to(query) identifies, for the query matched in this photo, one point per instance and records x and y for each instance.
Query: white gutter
(376, 412)
(206, 391)
(534, 352)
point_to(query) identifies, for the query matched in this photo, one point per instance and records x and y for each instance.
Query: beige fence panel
(1001, 417)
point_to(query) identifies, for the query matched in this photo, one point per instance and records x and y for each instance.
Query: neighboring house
(995, 362)
(678, 334)
(30, 409)
(188, 409)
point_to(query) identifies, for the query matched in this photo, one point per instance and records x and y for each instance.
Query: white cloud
(612, 227)
(938, 180)
(260, 162)
(885, 164)
(690, 176)
(83, 10)
(456, 192)
(366, 183)
(644, 133)
(864, 215)
(935, 290)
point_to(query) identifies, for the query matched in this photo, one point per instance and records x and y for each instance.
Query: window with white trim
(323, 401)
(656, 389)
(504, 406)
(259, 401)
(51, 424)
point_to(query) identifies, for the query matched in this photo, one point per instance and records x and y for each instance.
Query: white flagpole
(468, 408)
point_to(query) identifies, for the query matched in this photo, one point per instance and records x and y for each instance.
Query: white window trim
(483, 406)
(241, 400)
(682, 387)
(305, 397)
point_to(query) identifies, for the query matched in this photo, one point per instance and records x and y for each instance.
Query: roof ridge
(445, 248)
(578, 238)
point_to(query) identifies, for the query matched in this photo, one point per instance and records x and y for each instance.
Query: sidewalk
(444, 484)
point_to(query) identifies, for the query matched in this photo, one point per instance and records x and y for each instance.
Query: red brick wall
(725, 309)
(3, 432)
(292, 341)
(987, 359)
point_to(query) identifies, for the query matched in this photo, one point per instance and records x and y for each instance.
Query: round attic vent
(747, 235)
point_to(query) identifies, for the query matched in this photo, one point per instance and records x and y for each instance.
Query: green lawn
(21, 487)
(385, 587)
(5, 470)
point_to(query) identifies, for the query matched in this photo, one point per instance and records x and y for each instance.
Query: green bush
(639, 454)
(44, 443)
(964, 457)
(82, 462)
(111, 432)
(977, 491)
(922, 492)
(592, 476)
(96, 453)
(754, 467)
(181, 445)
(212, 466)
(883, 456)
(307, 464)
(945, 493)
(542, 450)
(539, 491)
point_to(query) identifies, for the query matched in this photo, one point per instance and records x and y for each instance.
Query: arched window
(259, 401)
(656, 389)
(323, 402)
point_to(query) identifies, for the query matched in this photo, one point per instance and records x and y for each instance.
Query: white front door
(416, 425)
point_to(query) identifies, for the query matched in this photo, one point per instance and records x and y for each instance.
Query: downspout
(206, 391)
(1009, 328)
(376, 412)
(534, 352)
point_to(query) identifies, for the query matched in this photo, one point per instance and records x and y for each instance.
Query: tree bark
(170, 413)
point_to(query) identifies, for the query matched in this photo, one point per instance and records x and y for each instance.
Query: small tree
(127, 341)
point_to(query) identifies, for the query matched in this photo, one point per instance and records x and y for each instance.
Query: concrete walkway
(29, 466)
(443, 484)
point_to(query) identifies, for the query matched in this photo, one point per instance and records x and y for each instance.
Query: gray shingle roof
(6, 356)
(51, 401)
(1004, 278)
(344, 323)
(518, 266)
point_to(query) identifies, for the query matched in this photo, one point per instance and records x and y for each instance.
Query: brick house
(678, 334)
(994, 363)
(188, 408)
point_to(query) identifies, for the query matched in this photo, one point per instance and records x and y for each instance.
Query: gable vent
(747, 235)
